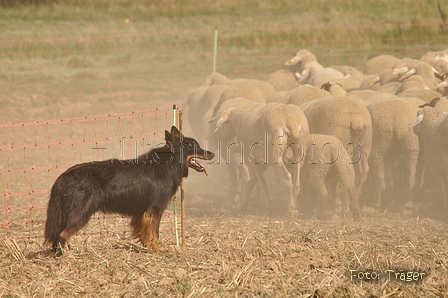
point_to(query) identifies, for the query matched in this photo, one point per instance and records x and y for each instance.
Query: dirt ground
(228, 254)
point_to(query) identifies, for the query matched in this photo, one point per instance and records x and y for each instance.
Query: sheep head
(293, 61)
(400, 70)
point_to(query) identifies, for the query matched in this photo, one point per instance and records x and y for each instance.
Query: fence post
(215, 49)
(182, 194)
(175, 200)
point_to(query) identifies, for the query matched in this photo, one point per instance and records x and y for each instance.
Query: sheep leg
(318, 184)
(420, 174)
(256, 175)
(411, 160)
(296, 180)
(361, 171)
(245, 199)
(353, 195)
(342, 195)
(238, 176)
(259, 171)
(378, 184)
(349, 199)
(292, 209)
(233, 181)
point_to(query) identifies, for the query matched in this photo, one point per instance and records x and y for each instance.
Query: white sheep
(317, 75)
(441, 68)
(282, 80)
(348, 83)
(379, 63)
(305, 93)
(413, 82)
(407, 67)
(431, 125)
(386, 81)
(393, 142)
(217, 78)
(199, 104)
(352, 77)
(280, 76)
(402, 66)
(442, 87)
(264, 86)
(222, 141)
(328, 161)
(353, 73)
(431, 57)
(245, 91)
(273, 134)
(425, 95)
(347, 118)
(363, 94)
(297, 63)
(334, 88)
(279, 96)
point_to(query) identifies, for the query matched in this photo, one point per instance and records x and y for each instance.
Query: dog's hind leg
(146, 229)
(65, 236)
(76, 221)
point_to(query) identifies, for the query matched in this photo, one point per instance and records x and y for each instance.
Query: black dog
(140, 188)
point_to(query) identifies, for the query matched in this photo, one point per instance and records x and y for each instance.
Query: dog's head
(188, 149)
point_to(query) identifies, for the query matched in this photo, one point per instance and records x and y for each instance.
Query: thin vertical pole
(215, 49)
(176, 230)
(174, 115)
(182, 201)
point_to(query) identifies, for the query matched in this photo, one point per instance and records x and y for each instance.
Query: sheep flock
(337, 140)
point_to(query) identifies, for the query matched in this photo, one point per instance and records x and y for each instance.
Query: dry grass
(242, 256)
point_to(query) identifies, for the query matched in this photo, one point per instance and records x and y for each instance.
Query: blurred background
(124, 55)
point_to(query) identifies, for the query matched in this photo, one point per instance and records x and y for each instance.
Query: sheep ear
(326, 86)
(417, 120)
(408, 74)
(436, 72)
(221, 120)
(224, 118)
(441, 85)
(432, 103)
(374, 81)
(304, 75)
(293, 61)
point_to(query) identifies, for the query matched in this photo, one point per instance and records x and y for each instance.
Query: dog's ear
(168, 136)
(176, 134)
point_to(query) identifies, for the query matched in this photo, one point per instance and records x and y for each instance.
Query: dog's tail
(56, 218)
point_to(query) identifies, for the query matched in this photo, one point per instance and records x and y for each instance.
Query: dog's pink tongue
(202, 166)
